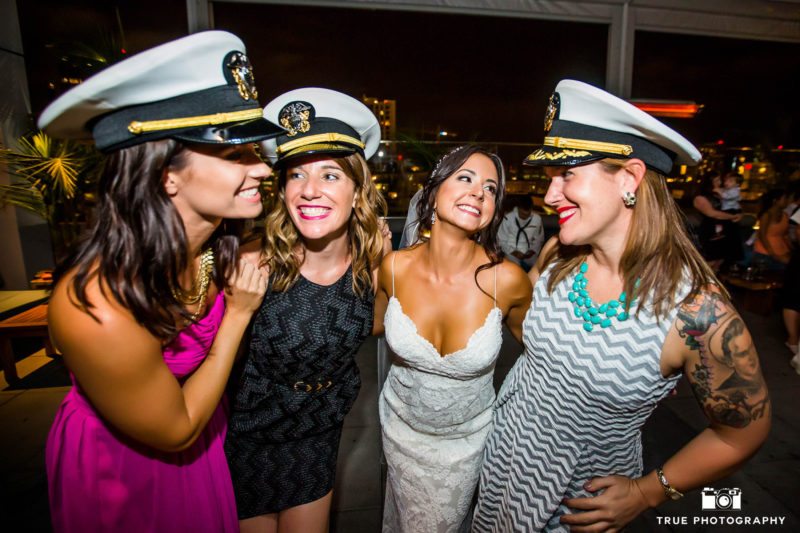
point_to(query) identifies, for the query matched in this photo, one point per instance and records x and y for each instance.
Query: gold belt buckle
(297, 386)
(308, 387)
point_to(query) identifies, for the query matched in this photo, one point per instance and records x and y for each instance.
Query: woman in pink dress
(138, 312)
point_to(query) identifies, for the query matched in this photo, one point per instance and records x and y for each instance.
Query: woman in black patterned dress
(322, 246)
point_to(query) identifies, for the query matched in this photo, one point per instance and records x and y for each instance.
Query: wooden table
(759, 295)
(14, 302)
(30, 323)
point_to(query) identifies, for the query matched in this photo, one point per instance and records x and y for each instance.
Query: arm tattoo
(727, 380)
(695, 319)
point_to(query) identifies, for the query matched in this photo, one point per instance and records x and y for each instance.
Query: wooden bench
(758, 295)
(30, 323)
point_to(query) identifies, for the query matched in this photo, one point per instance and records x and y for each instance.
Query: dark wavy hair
(136, 244)
(447, 165)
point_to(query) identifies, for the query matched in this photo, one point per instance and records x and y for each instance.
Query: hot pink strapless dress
(101, 481)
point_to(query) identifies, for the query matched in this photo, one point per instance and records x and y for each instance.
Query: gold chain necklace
(199, 286)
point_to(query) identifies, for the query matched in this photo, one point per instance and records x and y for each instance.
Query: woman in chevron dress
(623, 305)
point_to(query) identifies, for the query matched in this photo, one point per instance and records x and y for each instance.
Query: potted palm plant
(53, 179)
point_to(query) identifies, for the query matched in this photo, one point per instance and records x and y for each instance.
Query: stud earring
(629, 199)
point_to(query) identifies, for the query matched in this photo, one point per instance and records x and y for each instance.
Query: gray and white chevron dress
(570, 409)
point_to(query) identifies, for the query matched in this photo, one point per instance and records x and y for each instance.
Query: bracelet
(670, 492)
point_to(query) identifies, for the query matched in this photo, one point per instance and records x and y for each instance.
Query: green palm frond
(51, 167)
(23, 197)
(51, 175)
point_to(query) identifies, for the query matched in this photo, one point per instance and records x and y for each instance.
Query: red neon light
(669, 109)
(748, 166)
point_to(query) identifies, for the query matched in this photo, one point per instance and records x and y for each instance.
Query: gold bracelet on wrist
(669, 490)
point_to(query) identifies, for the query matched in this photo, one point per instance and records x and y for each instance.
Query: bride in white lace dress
(445, 300)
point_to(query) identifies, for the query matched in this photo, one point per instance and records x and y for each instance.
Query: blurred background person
(791, 292)
(521, 234)
(771, 250)
(718, 243)
(730, 194)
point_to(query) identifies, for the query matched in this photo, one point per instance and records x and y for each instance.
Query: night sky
(486, 78)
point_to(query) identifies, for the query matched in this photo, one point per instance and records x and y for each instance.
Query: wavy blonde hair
(658, 251)
(281, 238)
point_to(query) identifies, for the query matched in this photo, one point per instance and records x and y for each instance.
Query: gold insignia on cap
(296, 117)
(540, 155)
(242, 73)
(552, 111)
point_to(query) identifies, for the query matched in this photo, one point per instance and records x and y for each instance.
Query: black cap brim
(236, 133)
(547, 156)
(317, 149)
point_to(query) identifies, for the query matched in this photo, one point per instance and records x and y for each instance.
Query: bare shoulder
(401, 258)
(512, 279)
(393, 262)
(717, 353)
(84, 335)
(514, 288)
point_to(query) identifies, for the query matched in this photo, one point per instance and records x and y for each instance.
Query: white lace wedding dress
(436, 413)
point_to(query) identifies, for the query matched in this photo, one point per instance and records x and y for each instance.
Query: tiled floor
(770, 481)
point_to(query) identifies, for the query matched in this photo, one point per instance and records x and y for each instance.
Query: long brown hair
(281, 238)
(136, 245)
(658, 250)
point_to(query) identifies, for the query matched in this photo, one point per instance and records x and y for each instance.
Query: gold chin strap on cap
(596, 146)
(138, 127)
(319, 138)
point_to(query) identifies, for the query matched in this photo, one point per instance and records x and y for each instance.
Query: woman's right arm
(119, 364)
(702, 204)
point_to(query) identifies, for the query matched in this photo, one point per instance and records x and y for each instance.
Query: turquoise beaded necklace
(591, 314)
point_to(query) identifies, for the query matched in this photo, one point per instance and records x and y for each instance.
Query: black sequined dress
(297, 383)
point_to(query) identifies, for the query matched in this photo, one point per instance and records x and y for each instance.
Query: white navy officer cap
(197, 89)
(583, 123)
(320, 121)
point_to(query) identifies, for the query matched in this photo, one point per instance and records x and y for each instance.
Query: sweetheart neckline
(429, 343)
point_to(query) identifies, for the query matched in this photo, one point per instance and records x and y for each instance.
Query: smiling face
(213, 182)
(319, 197)
(467, 197)
(588, 200)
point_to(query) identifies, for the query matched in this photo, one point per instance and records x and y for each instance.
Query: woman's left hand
(620, 502)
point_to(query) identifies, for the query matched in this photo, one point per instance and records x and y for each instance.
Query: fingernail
(588, 486)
